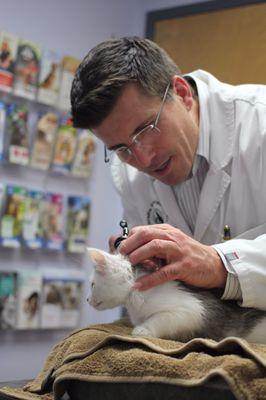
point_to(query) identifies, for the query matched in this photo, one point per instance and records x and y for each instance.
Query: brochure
(83, 161)
(65, 148)
(2, 129)
(29, 294)
(13, 215)
(52, 221)
(2, 196)
(27, 68)
(8, 52)
(8, 299)
(51, 307)
(72, 291)
(61, 299)
(69, 66)
(78, 216)
(31, 226)
(44, 140)
(18, 134)
(49, 77)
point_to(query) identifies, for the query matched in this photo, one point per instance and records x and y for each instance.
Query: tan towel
(108, 353)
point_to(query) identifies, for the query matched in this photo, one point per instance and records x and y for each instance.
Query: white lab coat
(234, 191)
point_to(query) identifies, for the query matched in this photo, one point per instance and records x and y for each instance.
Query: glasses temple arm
(162, 104)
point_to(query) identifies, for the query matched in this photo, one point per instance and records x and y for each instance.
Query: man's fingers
(164, 249)
(136, 238)
(139, 236)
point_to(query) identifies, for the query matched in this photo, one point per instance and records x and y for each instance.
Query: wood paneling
(230, 43)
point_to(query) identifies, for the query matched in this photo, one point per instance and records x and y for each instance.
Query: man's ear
(182, 88)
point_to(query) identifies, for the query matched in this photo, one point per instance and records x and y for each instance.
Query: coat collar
(217, 113)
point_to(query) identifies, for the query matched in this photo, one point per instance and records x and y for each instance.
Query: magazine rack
(56, 211)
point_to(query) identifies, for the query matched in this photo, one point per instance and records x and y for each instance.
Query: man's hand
(184, 258)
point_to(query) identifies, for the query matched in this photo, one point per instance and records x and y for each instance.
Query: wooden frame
(226, 38)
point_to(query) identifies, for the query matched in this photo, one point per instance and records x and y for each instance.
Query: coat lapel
(168, 201)
(213, 190)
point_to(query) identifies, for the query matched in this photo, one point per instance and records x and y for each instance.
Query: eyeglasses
(144, 138)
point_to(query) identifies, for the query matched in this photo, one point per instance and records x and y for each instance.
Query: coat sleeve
(248, 258)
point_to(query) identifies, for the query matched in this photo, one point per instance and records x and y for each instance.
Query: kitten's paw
(141, 331)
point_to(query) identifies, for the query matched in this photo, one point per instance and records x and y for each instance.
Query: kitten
(170, 310)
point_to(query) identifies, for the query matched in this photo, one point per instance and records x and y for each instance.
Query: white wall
(70, 26)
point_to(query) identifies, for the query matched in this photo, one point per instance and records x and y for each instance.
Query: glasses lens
(146, 136)
(115, 157)
(123, 153)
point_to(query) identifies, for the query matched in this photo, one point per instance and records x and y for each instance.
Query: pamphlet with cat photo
(2, 129)
(43, 143)
(13, 216)
(32, 233)
(65, 148)
(51, 305)
(52, 221)
(69, 66)
(17, 128)
(78, 216)
(83, 161)
(61, 298)
(49, 77)
(8, 52)
(29, 295)
(8, 299)
(27, 68)
(72, 293)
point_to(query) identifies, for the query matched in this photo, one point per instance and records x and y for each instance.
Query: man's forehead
(132, 108)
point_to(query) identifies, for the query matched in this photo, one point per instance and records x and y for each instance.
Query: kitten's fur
(170, 310)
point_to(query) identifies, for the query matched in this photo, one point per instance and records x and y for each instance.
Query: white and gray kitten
(170, 310)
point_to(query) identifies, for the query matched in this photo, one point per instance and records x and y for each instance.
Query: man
(190, 159)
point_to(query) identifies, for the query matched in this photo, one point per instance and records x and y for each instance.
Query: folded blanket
(108, 353)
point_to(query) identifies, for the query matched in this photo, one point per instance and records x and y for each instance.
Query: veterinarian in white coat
(234, 190)
(223, 125)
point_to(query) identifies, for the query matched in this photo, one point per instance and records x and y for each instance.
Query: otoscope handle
(124, 226)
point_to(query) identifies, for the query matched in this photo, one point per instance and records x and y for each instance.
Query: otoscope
(124, 226)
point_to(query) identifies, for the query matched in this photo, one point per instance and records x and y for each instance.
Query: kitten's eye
(92, 285)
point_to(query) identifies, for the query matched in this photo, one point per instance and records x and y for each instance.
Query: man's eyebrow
(147, 122)
(141, 126)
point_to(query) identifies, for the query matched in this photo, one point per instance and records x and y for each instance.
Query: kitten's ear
(98, 257)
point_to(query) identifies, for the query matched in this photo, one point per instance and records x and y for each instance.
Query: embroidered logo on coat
(156, 214)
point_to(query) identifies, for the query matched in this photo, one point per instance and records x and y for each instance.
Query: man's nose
(143, 155)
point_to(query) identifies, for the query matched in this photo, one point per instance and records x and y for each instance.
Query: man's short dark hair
(106, 70)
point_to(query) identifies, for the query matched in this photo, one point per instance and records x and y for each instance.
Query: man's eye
(121, 150)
